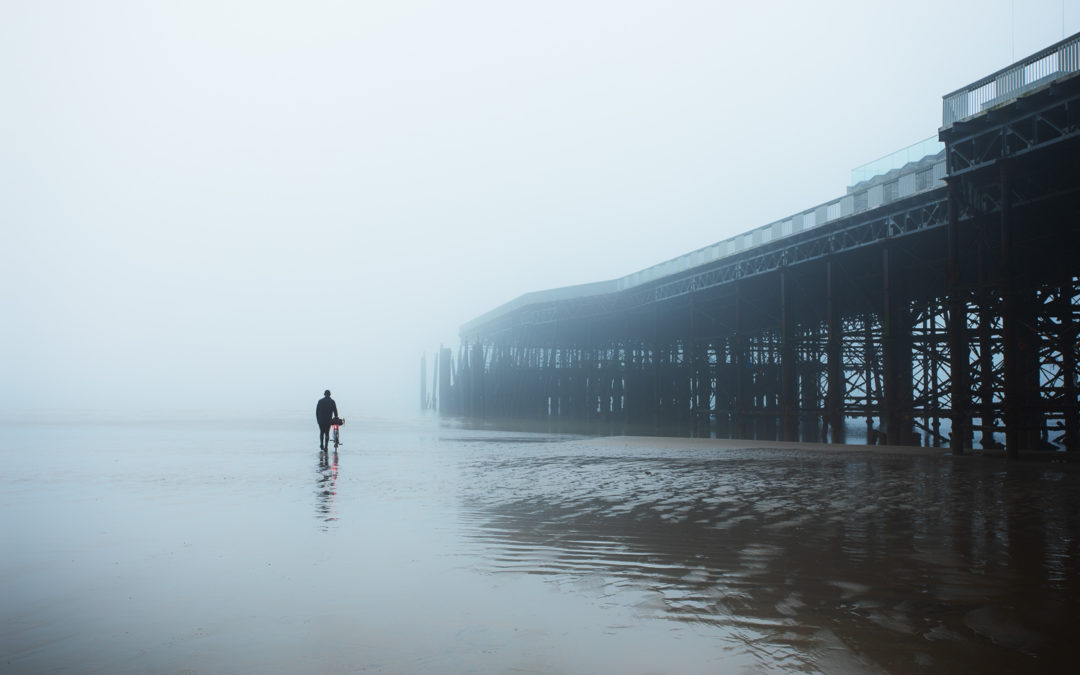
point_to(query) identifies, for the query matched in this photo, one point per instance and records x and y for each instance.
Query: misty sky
(227, 207)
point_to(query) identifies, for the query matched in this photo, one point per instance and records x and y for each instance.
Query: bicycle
(335, 434)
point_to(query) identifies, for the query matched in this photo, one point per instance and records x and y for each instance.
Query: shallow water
(202, 547)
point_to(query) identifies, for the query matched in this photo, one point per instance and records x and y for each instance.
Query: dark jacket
(325, 410)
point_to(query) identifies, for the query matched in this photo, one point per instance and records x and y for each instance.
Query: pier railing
(929, 147)
(1008, 84)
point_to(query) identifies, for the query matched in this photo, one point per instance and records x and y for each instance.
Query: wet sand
(669, 443)
(423, 548)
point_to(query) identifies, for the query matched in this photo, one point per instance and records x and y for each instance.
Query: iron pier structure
(936, 302)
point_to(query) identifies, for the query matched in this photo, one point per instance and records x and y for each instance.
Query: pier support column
(960, 415)
(985, 339)
(834, 398)
(711, 397)
(1019, 337)
(693, 370)
(423, 382)
(788, 395)
(738, 358)
(1021, 406)
(870, 370)
(475, 381)
(446, 405)
(1070, 341)
(897, 367)
(984, 336)
(655, 370)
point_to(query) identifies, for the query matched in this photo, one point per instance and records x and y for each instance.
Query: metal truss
(917, 214)
(812, 384)
(862, 367)
(931, 376)
(986, 361)
(1058, 317)
(1045, 119)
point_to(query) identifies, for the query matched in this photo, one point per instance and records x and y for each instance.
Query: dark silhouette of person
(325, 410)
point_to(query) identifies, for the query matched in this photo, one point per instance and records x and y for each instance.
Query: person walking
(325, 410)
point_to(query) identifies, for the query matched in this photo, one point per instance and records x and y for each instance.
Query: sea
(422, 545)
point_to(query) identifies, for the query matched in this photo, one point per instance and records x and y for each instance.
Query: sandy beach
(420, 547)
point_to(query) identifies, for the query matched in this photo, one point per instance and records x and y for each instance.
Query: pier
(935, 303)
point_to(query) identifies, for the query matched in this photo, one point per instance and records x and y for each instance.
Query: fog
(225, 208)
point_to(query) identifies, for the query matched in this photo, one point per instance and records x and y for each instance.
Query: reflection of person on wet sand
(325, 410)
(326, 488)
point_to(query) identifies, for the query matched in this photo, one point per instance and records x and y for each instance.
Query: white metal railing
(1041, 68)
